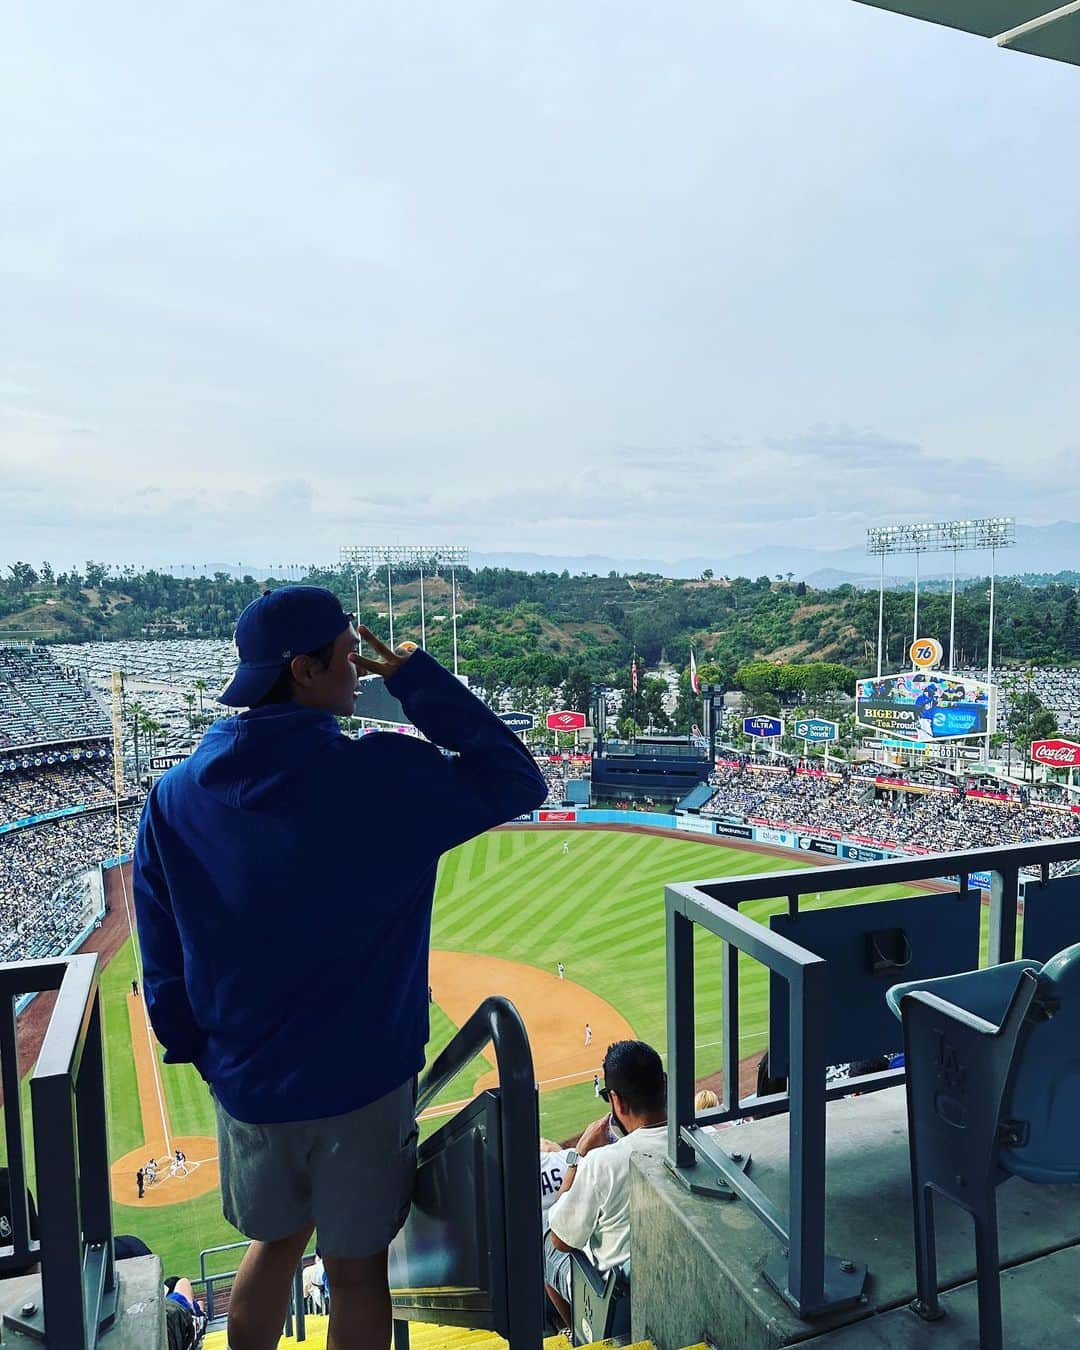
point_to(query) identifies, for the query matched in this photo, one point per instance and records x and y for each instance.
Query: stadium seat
(993, 1091)
(599, 1304)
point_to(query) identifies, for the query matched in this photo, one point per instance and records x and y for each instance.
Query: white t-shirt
(552, 1172)
(594, 1214)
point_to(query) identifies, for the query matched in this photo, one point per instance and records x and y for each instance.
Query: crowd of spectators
(35, 791)
(44, 901)
(940, 817)
(560, 770)
(42, 702)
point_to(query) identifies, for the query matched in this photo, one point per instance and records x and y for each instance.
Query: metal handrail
(67, 1097)
(808, 1278)
(498, 1023)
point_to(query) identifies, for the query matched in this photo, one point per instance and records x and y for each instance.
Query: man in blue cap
(311, 1048)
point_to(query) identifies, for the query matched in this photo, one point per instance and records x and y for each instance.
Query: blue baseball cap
(275, 628)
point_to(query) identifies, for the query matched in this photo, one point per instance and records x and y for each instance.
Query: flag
(695, 683)
(633, 676)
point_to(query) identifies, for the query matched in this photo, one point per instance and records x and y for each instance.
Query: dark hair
(635, 1071)
(283, 688)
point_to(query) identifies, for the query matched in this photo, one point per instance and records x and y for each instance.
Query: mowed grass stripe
(491, 903)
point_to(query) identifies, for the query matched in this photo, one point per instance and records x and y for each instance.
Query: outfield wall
(847, 848)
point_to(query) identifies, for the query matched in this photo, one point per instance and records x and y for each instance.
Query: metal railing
(802, 1271)
(210, 1281)
(67, 1099)
(519, 1297)
(518, 1293)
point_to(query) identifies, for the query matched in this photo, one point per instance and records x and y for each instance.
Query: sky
(616, 278)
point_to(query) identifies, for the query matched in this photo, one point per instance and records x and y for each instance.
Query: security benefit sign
(763, 726)
(924, 706)
(815, 729)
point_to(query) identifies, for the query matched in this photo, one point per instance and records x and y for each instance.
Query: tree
(1029, 719)
(707, 575)
(201, 686)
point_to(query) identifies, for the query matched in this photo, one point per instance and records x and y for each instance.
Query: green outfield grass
(513, 894)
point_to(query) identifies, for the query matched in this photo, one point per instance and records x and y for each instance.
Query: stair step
(423, 1336)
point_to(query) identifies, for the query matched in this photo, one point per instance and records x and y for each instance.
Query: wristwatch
(572, 1157)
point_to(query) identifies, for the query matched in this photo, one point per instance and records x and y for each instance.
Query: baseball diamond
(510, 906)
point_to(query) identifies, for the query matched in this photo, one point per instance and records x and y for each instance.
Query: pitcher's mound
(555, 1013)
(173, 1183)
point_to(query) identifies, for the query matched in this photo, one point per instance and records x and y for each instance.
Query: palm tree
(201, 686)
(189, 700)
(137, 713)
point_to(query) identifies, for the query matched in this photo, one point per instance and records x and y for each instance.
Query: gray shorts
(351, 1175)
(556, 1267)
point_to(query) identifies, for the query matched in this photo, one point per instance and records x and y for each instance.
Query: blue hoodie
(283, 883)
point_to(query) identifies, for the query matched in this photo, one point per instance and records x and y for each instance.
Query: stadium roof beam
(408, 557)
(1036, 27)
(942, 536)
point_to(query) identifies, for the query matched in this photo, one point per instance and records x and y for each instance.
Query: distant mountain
(1039, 548)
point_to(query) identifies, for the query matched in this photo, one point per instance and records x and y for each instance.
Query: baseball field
(510, 906)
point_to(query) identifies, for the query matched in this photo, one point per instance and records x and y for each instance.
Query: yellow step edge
(424, 1336)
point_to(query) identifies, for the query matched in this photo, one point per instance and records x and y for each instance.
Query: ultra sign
(763, 726)
(815, 729)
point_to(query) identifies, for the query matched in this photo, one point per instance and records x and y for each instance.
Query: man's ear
(300, 669)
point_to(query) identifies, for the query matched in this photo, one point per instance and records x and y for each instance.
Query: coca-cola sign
(1056, 753)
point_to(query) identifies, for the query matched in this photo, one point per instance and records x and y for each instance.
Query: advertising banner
(858, 853)
(734, 831)
(809, 843)
(923, 706)
(763, 726)
(566, 721)
(518, 721)
(159, 763)
(765, 834)
(816, 729)
(549, 814)
(694, 824)
(1056, 754)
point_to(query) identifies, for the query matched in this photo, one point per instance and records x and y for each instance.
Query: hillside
(534, 629)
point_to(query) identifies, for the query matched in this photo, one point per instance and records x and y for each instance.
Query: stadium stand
(52, 785)
(893, 813)
(43, 903)
(41, 703)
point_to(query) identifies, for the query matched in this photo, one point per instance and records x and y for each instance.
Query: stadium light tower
(408, 557)
(944, 536)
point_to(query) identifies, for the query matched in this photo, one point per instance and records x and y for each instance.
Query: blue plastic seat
(993, 1087)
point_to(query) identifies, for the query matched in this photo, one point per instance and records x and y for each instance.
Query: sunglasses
(605, 1095)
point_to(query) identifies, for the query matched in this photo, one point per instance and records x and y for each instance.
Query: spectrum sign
(518, 721)
(1056, 754)
(566, 721)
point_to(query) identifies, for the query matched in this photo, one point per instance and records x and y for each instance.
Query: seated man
(592, 1211)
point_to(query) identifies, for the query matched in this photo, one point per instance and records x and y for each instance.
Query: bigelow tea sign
(1056, 754)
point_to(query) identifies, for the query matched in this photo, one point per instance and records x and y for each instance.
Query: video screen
(925, 706)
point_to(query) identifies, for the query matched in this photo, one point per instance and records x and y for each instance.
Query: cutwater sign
(763, 726)
(518, 721)
(815, 729)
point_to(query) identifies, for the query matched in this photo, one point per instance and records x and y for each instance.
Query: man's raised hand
(386, 661)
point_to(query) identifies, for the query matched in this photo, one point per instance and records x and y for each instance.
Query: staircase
(422, 1337)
